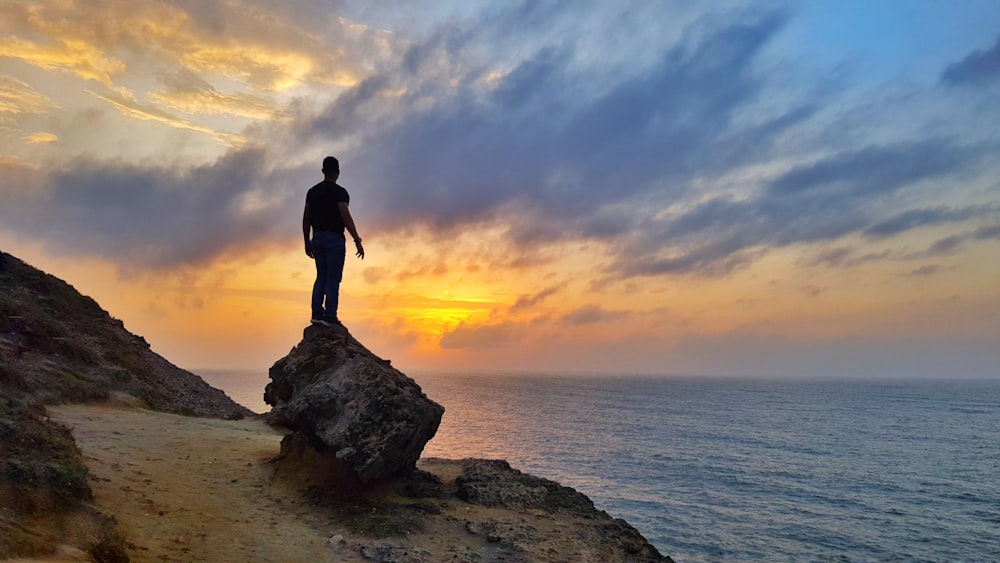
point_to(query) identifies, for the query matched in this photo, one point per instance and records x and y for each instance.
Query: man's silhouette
(327, 215)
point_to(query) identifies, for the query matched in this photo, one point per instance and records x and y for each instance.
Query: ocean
(723, 469)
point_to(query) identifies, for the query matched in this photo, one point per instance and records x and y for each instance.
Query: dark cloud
(978, 67)
(945, 245)
(825, 200)
(832, 257)
(548, 136)
(160, 217)
(925, 217)
(592, 314)
(846, 257)
(870, 171)
(529, 301)
(989, 232)
(558, 157)
(925, 271)
(489, 336)
(952, 243)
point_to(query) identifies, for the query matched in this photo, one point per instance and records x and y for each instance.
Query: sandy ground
(196, 489)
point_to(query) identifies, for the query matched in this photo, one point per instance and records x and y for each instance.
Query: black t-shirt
(324, 213)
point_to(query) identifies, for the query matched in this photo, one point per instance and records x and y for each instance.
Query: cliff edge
(183, 474)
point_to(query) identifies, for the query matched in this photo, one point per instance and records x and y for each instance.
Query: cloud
(844, 257)
(873, 170)
(824, 200)
(42, 138)
(528, 301)
(925, 217)
(668, 153)
(944, 245)
(268, 47)
(468, 142)
(261, 68)
(925, 271)
(374, 275)
(18, 179)
(19, 98)
(159, 217)
(952, 243)
(67, 55)
(487, 336)
(832, 257)
(185, 91)
(132, 108)
(592, 314)
(616, 160)
(990, 232)
(978, 67)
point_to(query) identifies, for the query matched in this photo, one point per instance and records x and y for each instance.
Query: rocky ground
(197, 489)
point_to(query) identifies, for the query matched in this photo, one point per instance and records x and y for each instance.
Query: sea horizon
(232, 378)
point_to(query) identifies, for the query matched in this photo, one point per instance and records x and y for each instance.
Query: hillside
(58, 346)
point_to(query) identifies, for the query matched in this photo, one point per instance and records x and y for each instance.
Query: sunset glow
(771, 188)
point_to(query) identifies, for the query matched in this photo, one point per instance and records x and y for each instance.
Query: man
(327, 215)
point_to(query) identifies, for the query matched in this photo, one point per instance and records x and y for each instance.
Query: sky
(633, 187)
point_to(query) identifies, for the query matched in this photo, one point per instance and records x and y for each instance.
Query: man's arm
(305, 231)
(345, 214)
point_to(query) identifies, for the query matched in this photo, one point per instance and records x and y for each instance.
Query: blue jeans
(329, 250)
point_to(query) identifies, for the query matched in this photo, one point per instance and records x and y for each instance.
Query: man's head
(331, 167)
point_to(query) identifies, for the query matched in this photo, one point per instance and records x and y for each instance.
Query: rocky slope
(57, 345)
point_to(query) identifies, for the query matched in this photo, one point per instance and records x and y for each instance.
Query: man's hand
(361, 250)
(309, 249)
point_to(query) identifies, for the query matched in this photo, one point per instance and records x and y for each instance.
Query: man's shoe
(326, 323)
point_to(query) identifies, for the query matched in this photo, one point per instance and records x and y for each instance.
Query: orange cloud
(19, 98)
(213, 102)
(264, 49)
(67, 55)
(41, 138)
(260, 67)
(131, 108)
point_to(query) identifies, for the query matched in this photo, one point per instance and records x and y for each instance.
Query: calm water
(730, 469)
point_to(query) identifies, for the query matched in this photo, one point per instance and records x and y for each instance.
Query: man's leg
(336, 253)
(319, 286)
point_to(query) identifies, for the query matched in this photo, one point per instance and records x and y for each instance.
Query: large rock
(349, 403)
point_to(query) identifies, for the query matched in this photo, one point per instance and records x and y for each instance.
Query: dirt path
(195, 489)
(198, 489)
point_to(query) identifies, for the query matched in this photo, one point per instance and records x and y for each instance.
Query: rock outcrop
(478, 510)
(350, 404)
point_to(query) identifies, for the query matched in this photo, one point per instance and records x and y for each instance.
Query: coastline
(187, 488)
